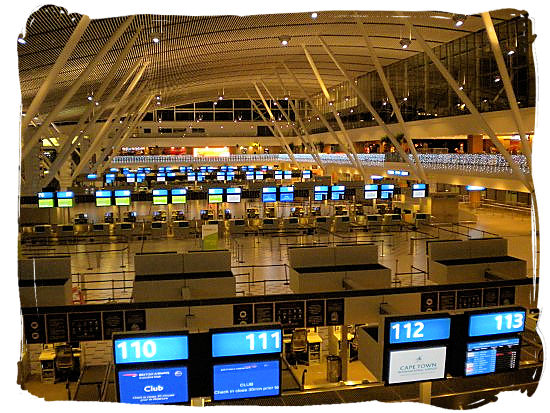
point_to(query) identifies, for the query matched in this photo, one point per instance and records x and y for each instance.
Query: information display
(287, 175)
(494, 356)
(306, 174)
(191, 176)
(151, 349)
(229, 176)
(163, 385)
(278, 174)
(233, 194)
(496, 323)
(215, 195)
(320, 193)
(419, 190)
(103, 198)
(161, 177)
(269, 194)
(415, 331)
(371, 191)
(45, 200)
(91, 177)
(65, 199)
(259, 175)
(220, 176)
(286, 194)
(245, 343)
(122, 197)
(179, 196)
(110, 178)
(386, 191)
(337, 192)
(160, 196)
(250, 175)
(247, 380)
(200, 176)
(420, 364)
(140, 177)
(130, 178)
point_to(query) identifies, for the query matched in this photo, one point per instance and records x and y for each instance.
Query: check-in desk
(321, 269)
(314, 343)
(81, 229)
(374, 221)
(124, 228)
(470, 261)
(290, 223)
(323, 223)
(341, 223)
(192, 275)
(420, 218)
(370, 346)
(181, 229)
(390, 222)
(100, 229)
(158, 229)
(237, 226)
(42, 230)
(65, 231)
(220, 224)
(269, 224)
(45, 281)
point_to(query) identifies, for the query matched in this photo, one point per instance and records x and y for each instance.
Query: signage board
(247, 380)
(151, 349)
(413, 365)
(501, 322)
(246, 343)
(419, 330)
(161, 385)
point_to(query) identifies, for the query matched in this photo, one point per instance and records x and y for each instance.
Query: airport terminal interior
(279, 210)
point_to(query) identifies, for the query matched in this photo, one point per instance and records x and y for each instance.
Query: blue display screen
(45, 195)
(151, 349)
(161, 169)
(259, 175)
(65, 195)
(179, 191)
(244, 343)
(496, 323)
(191, 176)
(171, 174)
(230, 176)
(419, 186)
(183, 168)
(288, 174)
(221, 176)
(160, 192)
(113, 170)
(249, 175)
(414, 331)
(233, 190)
(153, 386)
(278, 174)
(286, 193)
(246, 380)
(200, 177)
(337, 192)
(388, 187)
(215, 191)
(491, 356)
(306, 174)
(122, 193)
(322, 188)
(91, 176)
(161, 177)
(102, 194)
(269, 194)
(109, 178)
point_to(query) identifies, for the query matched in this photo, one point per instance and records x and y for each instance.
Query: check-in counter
(470, 260)
(420, 218)
(100, 229)
(45, 281)
(81, 229)
(65, 231)
(323, 223)
(371, 348)
(124, 228)
(374, 221)
(220, 224)
(341, 223)
(390, 221)
(158, 229)
(290, 223)
(181, 229)
(269, 224)
(42, 230)
(237, 226)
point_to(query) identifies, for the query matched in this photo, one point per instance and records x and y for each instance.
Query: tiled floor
(106, 270)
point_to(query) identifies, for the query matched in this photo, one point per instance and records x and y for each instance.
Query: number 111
(263, 338)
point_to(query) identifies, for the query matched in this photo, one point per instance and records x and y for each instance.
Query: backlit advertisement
(422, 364)
(163, 385)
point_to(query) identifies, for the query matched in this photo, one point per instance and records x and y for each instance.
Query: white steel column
(347, 139)
(108, 124)
(493, 40)
(77, 83)
(306, 143)
(38, 99)
(351, 159)
(77, 132)
(391, 96)
(373, 112)
(525, 179)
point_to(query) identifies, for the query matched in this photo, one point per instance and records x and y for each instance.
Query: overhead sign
(415, 331)
(151, 349)
(412, 365)
(496, 323)
(244, 343)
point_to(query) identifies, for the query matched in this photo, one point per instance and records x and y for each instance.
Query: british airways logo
(130, 375)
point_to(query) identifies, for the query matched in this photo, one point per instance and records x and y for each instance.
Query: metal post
(40, 96)
(425, 390)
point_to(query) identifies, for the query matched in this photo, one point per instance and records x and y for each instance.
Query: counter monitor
(269, 194)
(161, 385)
(337, 192)
(103, 198)
(371, 191)
(215, 195)
(492, 356)
(122, 197)
(161, 177)
(419, 190)
(286, 194)
(503, 322)
(151, 349)
(386, 191)
(65, 199)
(306, 174)
(160, 196)
(418, 364)
(419, 330)
(45, 200)
(320, 193)
(246, 343)
(179, 196)
(233, 194)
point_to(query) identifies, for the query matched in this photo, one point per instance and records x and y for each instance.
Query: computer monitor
(65, 199)
(160, 196)
(371, 191)
(45, 200)
(386, 191)
(306, 174)
(122, 197)
(286, 194)
(320, 193)
(287, 174)
(269, 194)
(200, 176)
(259, 175)
(233, 194)
(337, 192)
(215, 195)
(140, 177)
(179, 196)
(419, 190)
(130, 178)
(103, 198)
(110, 178)
(492, 356)
(161, 177)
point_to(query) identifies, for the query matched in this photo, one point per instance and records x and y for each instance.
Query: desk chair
(298, 346)
(64, 362)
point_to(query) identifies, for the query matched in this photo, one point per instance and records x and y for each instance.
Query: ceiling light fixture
(314, 15)
(405, 43)
(21, 39)
(330, 102)
(497, 78)
(510, 50)
(90, 97)
(459, 19)
(286, 97)
(284, 40)
(220, 97)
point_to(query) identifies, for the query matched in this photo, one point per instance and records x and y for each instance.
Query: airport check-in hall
(289, 209)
